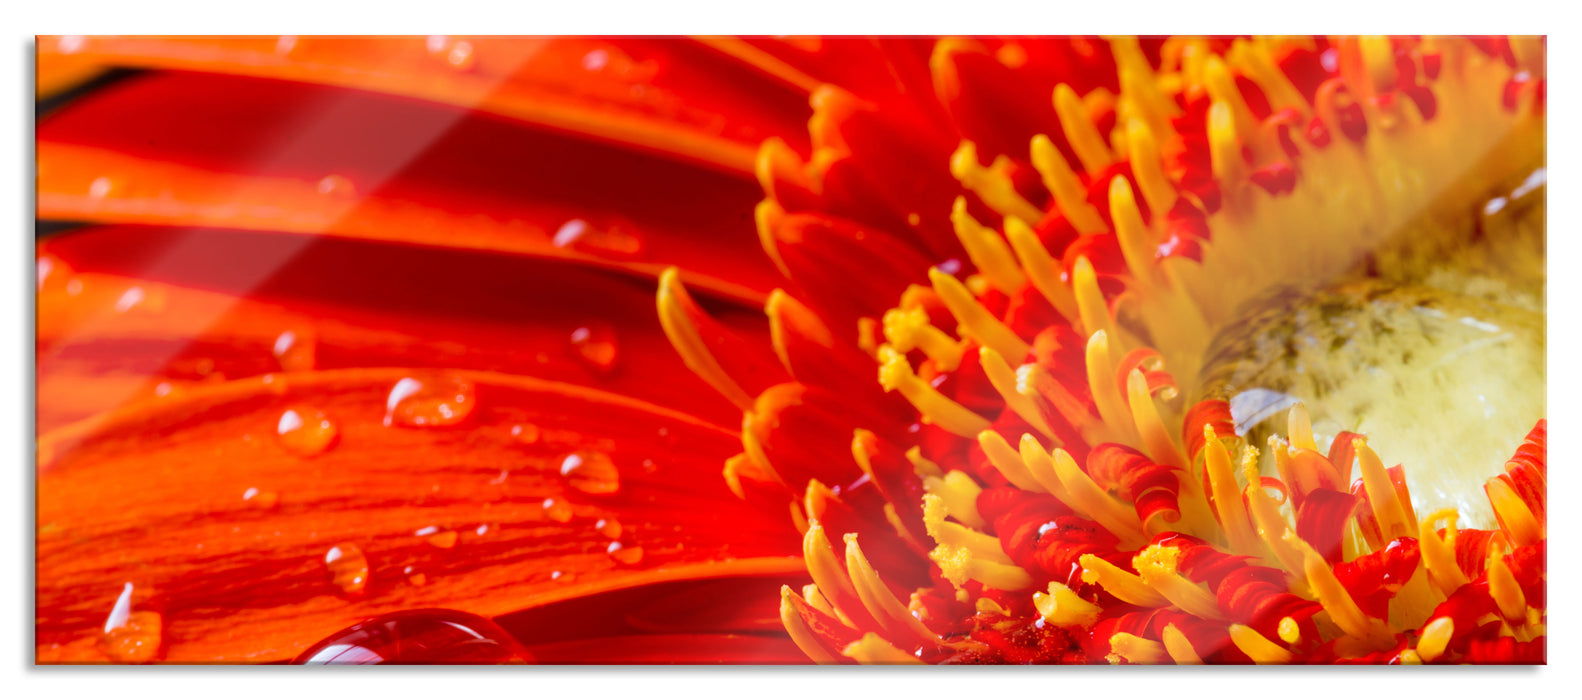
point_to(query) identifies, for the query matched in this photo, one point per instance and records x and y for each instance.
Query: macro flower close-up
(787, 350)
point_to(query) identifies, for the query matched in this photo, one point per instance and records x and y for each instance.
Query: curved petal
(206, 150)
(666, 96)
(226, 529)
(124, 310)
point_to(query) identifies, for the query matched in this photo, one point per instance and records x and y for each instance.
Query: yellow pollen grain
(895, 374)
(1087, 498)
(1392, 518)
(1041, 268)
(991, 184)
(873, 649)
(1080, 131)
(1062, 607)
(1120, 583)
(1156, 565)
(805, 638)
(1258, 647)
(1003, 378)
(1070, 195)
(1436, 636)
(910, 329)
(975, 320)
(674, 304)
(1289, 631)
(1138, 650)
(1008, 461)
(1179, 647)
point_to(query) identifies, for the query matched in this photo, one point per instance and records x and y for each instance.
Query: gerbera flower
(1087, 275)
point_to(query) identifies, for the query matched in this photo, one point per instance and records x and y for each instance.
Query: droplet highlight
(432, 402)
(558, 511)
(347, 568)
(596, 347)
(443, 539)
(629, 556)
(306, 432)
(526, 433)
(296, 350)
(611, 240)
(609, 527)
(131, 637)
(591, 472)
(263, 500)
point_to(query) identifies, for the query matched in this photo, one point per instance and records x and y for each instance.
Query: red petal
(208, 150)
(153, 494)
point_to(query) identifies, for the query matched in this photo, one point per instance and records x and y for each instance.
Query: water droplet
(164, 389)
(555, 575)
(129, 299)
(100, 187)
(618, 240)
(444, 539)
(306, 432)
(461, 56)
(348, 569)
(438, 401)
(526, 433)
(596, 346)
(131, 637)
(595, 59)
(418, 637)
(558, 511)
(591, 472)
(415, 577)
(51, 271)
(629, 556)
(337, 186)
(285, 45)
(482, 530)
(295, 350)
(437, 42)
(609, 527)
(71, 44)
(261, 499)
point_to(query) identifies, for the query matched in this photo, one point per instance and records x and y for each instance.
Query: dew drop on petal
(306, 432)
(526, 433)
(558, 511)
(131, 637)
(347, 568)
(591, 472)
(461, 56)
(285, 45)
(264, 500)
(596, 346)
(336, 186)
(296, 350)
(609, 527)
(415, 577)
(444, 539)
(71, 44)
(629, 556)
(610, 240)
(100, 187)
(438, 401)
(429, 636)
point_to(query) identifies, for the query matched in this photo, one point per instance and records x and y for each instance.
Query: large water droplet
(296, 350)
(131, 637)
(263, 500)
(609, 527)
(444, 539)
(306, 432)
(348, 569)
(558, 511)
(595, 345)
(418, 637)
(437, 401)
(591, 472)
(630, 556)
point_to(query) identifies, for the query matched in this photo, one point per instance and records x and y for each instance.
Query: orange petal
(223, 528)
(123, 310)
(192, 149)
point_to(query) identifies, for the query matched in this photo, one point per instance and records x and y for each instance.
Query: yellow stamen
(910, 329)
(1147, 166)
(1092, 502)
(815, 498)
(1224, 144)
(1157, 566)
(787, 315)
(895, 374)
(1041, 466)
(752, 446)
(987, 250)
(1331, 594)
(1007, 461)
(766, 217)
(1439, 554)
(1136, 240)
(921, 465)
(1080, 132)
(976, 321)
(881, 603)
(959, 494)
(1138, 650)
(1160, 445)
(1386, 504)
(811, 594)
(1252, 59)
(1062, 607)
(1300, 428)
(1003, 378)
(1258, 647)
(981, 546)
(1140, 86)
(1222, 89)
(674, 305)
(1101, 373)
(1227, 495)
(1179, 647)
(1515, 517)
(1271, 527)
(1070, 195)
(825, 568)
(1041, 268)
(1120, 583)
(1503, 587)
(1436, 636)
(1090, 301)
(800, 633)
(991, 184)
(873, 649)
